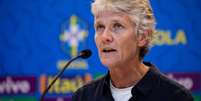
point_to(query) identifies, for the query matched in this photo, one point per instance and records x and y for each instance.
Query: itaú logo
(64, 85)
(16, 85)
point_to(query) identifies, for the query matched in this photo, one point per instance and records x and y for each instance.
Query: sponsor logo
(17, 85)
(64, 85)
(191, 81)
(166, 38)
(73, 37)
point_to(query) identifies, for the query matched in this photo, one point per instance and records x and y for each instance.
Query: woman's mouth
(108, 50)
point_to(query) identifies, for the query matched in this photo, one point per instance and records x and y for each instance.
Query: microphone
(83, 54)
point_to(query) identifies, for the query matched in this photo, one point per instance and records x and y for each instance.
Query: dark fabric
(154, 86)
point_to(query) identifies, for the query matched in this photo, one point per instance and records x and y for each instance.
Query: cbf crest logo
(73, 38)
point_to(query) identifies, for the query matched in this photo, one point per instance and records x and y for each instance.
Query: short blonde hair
(139, 11)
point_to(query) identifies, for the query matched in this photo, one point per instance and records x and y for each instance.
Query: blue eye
(100, 27)
(118, 26)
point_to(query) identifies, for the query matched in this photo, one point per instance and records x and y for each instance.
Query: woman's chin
(110, 64)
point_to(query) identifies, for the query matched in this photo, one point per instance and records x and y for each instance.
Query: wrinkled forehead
(112, 16)
(109, 13)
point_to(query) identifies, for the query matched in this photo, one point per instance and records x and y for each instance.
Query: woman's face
(115, 38)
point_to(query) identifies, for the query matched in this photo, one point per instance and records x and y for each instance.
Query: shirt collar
(144, 86)
(107, 80)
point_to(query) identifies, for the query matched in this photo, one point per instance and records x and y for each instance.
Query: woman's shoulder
(93, 85)
(89, 90)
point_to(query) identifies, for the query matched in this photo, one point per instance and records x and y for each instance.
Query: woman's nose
(107, 36)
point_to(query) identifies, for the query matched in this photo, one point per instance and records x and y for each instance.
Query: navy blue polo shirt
(154, 86)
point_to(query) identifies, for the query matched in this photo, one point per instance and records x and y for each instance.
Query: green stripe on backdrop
(197, 98)
(18, 98)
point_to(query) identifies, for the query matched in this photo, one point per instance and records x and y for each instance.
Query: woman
(124, 29)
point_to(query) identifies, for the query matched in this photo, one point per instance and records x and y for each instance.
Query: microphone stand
(60, 73)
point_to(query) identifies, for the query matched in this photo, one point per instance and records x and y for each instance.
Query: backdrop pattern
(37, 37)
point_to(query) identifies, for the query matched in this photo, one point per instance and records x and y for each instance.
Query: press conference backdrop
(37, 38)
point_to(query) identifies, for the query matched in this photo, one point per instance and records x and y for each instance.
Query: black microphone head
(85, 53)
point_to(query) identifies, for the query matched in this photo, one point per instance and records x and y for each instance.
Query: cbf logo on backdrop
(73, 40)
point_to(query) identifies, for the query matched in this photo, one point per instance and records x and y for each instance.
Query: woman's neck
(127, 76)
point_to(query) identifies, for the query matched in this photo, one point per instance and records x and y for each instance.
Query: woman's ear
(143, 38)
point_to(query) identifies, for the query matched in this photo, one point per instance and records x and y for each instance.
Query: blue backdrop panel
(37, 37)
(30, 33)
